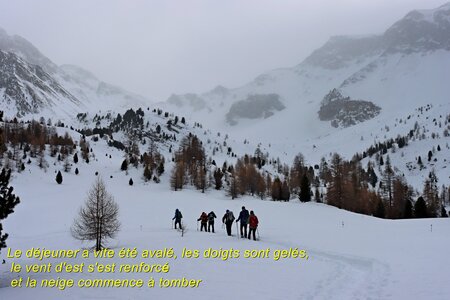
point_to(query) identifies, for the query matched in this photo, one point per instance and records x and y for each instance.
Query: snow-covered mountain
(409, 63)
(27, 88)
(30, 83)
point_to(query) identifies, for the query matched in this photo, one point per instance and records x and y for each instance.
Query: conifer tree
(124, 166)
(408, 210)
(443, 212)
(160, 169)
(59, 177)
(218, 179)
(373, 178)
(420, 208)
(380, 210)
(8, 201)
(305, 189)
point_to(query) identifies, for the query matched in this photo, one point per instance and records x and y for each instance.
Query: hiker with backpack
(177, 218)
(253, 225)
(211, 217)
(228, 219)
(204, 220)
(243, 218)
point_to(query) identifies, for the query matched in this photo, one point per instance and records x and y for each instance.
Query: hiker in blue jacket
(243, 218)
(177, 218)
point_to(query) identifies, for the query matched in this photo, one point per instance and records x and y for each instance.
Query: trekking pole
(172, 224)
(197, 225)
(237, 231)
(182, 229)
(257, 231)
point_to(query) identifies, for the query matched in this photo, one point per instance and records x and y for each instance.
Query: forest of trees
(20, 141)
(340, 183)
(375, 189)
(190, 164)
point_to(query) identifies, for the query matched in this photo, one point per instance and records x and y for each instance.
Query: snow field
(350, 256)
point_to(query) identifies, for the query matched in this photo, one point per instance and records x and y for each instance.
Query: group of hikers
(207, 221)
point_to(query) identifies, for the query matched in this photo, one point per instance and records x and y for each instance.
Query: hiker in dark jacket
(253, 224)
(204, 220)
(228, 219)
(177, 218)
(211, 217)
(243, 217)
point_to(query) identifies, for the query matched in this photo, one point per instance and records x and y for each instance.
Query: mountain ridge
(78, 89)
(405, 60)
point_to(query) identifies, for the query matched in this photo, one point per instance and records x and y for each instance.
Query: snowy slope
(400, 71)
(96, 94)
(408, 63)
(350, 256)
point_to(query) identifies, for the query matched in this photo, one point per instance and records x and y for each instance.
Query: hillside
(359, 266)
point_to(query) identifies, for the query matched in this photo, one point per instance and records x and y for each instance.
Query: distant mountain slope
(408, 63)
(32, 84)
(27, 88)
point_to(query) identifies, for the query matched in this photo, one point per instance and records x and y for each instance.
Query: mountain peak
(24, 49)
(434, 15)
(421, 31)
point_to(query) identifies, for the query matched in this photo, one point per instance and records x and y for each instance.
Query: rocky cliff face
(344, 112)
(30, 83)
(27, 88)
(254, 107)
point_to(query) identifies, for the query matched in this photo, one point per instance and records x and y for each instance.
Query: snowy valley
(345, 156)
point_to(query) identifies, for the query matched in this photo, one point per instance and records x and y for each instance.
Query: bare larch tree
(98, 219)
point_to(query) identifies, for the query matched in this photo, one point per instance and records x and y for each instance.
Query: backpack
(253, 220)
(178, 215)
(230, 216)
(204, 218)
(211, 217)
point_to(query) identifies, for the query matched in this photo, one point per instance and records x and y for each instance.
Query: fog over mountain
(165, 47)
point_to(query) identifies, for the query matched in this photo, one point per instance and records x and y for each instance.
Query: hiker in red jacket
(204, 220)
(253, 224)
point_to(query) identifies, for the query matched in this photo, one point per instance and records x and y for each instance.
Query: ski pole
(172, 224)
(257, 231)
(237, 231)
(197, 225)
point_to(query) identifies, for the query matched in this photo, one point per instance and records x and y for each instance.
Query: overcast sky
(160, 47)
